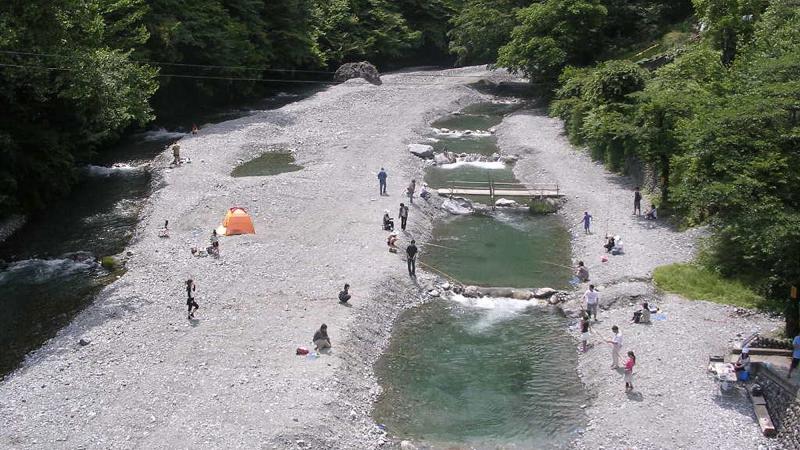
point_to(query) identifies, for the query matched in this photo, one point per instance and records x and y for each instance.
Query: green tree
(551, 35)
(67, 86)
(481, 27)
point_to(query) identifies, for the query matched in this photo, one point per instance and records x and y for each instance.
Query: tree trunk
(791, 313)
(664, 160)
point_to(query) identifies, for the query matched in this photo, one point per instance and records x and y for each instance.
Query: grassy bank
(697, 283)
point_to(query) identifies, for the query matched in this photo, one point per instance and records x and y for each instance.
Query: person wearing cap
(743, 363)
(388, 222)
(424, 193)
(392, 242)
(344, 295)
(321, 339)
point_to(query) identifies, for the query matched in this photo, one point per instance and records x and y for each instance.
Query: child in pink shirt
(629, 371)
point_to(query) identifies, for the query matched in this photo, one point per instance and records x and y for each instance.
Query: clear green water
(478, 116)
(481, 145)
(485, 373)
(503, 249)
(490, 374)
(267, 164)
(437, 177)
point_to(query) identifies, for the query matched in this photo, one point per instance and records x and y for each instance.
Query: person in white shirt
(592, 300)
(616, 347)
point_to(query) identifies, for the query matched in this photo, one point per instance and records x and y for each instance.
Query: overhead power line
(211, 66)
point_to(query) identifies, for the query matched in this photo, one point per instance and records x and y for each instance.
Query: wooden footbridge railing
(495, 190)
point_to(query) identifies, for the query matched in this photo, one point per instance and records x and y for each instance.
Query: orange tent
(237, 221)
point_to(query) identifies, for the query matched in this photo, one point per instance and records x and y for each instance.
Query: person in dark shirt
(388, 222)
(411, 252)
(190, 303)
(637, 202)
(344, 295)
(382, 181)
(321, 339)
(403, 216)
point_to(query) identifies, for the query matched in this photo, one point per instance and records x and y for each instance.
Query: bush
(698, 283)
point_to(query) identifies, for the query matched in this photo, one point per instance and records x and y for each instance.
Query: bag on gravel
(302, 351)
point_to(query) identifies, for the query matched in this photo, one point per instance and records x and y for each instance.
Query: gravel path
(675, 403)
(152, 379)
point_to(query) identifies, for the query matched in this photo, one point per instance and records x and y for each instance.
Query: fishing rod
(557, 265)
(446, 275)
(437, 245)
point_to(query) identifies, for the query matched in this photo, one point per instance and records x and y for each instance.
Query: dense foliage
(77, 88)
(720, 124)
(715, 116)
(75, 74)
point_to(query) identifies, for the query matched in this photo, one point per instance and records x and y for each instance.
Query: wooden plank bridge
(495, 190)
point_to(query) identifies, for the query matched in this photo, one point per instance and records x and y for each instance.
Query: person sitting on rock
(609, 243)
(388, 222)
(652, 213)
(582, 272)
(642, 315)
(743, 363)
(424, 193)
(344, 295)
(392, 242)
(321, 339)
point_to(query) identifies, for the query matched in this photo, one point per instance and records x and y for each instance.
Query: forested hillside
(706, 92)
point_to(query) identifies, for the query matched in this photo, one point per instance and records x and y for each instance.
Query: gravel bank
(675, 404)
(151, 379)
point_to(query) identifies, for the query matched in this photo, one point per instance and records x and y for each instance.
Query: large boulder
(457, 206)
(424, 151)
(444, 158)
(361, 69)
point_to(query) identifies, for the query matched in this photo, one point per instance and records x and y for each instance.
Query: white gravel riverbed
(152, 379)
(675, 405)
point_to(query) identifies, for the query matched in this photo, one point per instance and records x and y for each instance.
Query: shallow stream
(484, 373)
(49, 270)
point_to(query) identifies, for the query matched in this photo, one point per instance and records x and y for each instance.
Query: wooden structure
(495, 190)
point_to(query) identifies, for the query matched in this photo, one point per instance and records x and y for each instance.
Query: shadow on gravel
(735, 400)
(635, 396)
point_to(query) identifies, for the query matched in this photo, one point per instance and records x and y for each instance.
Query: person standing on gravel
(403, 216)
(176, 154)
(592, 299)
(629, 363)
(191, 287)
(584, 332)
(410, 191)
(587, 222)
(616, 347)
(795, 354)
(411, 253)
(637, 202)
(382, 181)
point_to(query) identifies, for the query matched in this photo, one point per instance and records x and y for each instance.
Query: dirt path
(675, 404)
(152, 379)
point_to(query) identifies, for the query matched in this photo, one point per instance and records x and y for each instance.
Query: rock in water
(406, 445)
(361, 69)
(544, 293)
(505, 203)
(422, 150)
(453, 206)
